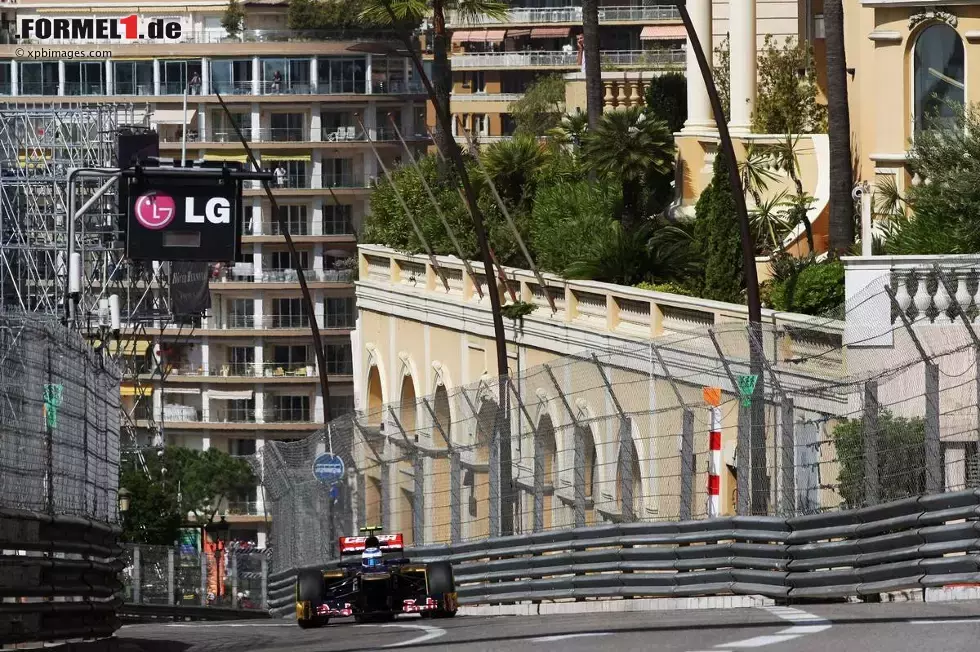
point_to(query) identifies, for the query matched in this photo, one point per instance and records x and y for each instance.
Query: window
(295, 219)
(288, 313)
(339, 312)
(288, 409)
(241, 314)
(295, 176)
(338, 219)
(241, 447)
(176, 75)
(339, 173)
(242, 360)
(341, 405)
(290, 356)
(339, 359)
(132, 77)
(231, 76)
(938, 69)
(84, 78)
(39, 78)
(286, 76)
(282, 260)
(241, 411)
(5, 80)
(288, 127)
(476, 81)
(341, 75)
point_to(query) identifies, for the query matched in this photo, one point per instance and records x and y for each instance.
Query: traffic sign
(328, 468)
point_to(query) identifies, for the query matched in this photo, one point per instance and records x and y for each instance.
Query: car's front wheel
(310, 588)
(440, 584)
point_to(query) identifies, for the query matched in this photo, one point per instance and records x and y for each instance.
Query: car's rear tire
(439, 581)
(310, 588)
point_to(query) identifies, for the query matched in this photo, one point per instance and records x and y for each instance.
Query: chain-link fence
(815, 415)
(59, 421)
(233, 577)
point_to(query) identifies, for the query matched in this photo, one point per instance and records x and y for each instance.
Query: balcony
(348, 180)
(338, 321)
(244, 508)
(245, 370)
(303, 181)
(397, 88)
(38, 88)
(303, 87)
(228, 135)
(283, 135)
(558, 60)
(286, 276)
(140, 87)
(231, 87)
(329, 228)
(84, 88)
(572, 16)
(486, 97)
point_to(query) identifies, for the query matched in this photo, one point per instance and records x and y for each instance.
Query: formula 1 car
(378, 586)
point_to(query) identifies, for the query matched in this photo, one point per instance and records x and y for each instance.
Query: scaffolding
(39, 145)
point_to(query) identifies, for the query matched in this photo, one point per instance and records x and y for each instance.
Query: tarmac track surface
(894, 627)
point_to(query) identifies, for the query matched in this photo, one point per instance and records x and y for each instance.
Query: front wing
(349, 592)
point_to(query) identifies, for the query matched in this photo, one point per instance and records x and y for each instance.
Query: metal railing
(38, 88)
(283, 134)
(328, 228)
(232, 87)
(245, 369)
(486, 97)
(142, 88)
(295, 181)
(560, 15)
(227, 135)
(245, 508)
(273, 322)
(350, 180)
(917, 543)
(556, 59)
(85, 88)
(397, 87)
(284, 87)
(246, 36)
(286, 276)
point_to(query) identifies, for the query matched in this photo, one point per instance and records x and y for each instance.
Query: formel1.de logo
(155, 210)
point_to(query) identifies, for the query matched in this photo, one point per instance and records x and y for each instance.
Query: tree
(316, 15)
(515, 167)
(787, 90)
(565, 219)
(593, 66)
(815, 289)
(570, 131)
(636, 150)
(666, 99)
(839, 132)
(541, 107)
(233, 20)
(178, 482)
(722, 76)
(944, 206)
(717, 239)
(412, 12)
(901, 458)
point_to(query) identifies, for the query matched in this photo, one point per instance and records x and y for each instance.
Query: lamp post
(219, 531)
(123, 497)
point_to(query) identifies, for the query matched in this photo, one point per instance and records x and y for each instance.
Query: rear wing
(388, 543)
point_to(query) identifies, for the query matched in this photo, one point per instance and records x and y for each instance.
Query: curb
(622, 605)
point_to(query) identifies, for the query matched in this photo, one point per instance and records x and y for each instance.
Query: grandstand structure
(39, 145)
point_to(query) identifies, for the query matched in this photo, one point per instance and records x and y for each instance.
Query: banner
(189, 291)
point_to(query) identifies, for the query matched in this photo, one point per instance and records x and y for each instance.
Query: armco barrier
(929, 541)
(58, 577)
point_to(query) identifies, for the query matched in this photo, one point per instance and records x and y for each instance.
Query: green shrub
(666, 99)
(817, 289)
(717, 239)
(669, 288)
(901, 458)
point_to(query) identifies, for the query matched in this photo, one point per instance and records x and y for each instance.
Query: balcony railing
(228, 135)
(38, 88)
(247, 36)
(144, 87)
(329, 228)
(244, 508)
(287, 415)
(486, 97)
(245, 370)
(284, 134)
(84, 88)
(333, 321)
(344, 181)
(288, 181)
(289, 276)
(530, 59)
(558, 15)
(398, 87)
(231, 87)
(304, 87)
(340, 87)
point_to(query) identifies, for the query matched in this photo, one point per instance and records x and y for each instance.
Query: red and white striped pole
(714, 459)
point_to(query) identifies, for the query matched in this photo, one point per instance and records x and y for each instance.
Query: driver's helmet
(371, 558)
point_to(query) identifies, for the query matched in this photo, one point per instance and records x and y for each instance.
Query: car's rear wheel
(440, 582)
(310, 588)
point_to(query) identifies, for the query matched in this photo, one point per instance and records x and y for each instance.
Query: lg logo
(156, 210)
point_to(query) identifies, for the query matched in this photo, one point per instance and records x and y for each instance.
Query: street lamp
(123, 497)
(219, 531)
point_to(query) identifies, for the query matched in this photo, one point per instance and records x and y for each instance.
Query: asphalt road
(894, 627)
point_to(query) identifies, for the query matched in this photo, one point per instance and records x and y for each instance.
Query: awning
(495, 35)
(181, 390)
(127, 390)
(551, 32)
(173, 116)
(518, 33)
(224, 395)
(287, 157)
(461, 37)
(136, 347)
(663, 33)
(227, 158)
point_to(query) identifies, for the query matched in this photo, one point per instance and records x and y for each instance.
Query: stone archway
(476, 480)
(440, 511)
(591, 473)
(404, 480)
(545, 433)
(373, 491)
(628, 456)
(375, 397)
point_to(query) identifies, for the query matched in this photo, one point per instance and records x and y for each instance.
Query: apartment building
(308, 103)
(495, 60)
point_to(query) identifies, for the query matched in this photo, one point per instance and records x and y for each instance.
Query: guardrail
(928, 541)
(59, 576)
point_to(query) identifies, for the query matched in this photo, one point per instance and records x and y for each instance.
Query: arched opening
(405, 511)
(476, 481)
(441, 430)
(375, 397)
(591, 474)
(939, 79)
(549, 452)
(628, 459)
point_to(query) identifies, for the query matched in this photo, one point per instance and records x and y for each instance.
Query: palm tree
(838, 131)
(413, 12)
(635, 149)
(570, 132)
(630, 256)
(515, 167)
(593, 68)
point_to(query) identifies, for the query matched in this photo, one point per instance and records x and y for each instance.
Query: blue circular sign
(328, 468)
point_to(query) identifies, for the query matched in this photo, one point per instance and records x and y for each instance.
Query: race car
(379, 585)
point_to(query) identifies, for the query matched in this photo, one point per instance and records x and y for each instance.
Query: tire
(310, 588)
(439, 581)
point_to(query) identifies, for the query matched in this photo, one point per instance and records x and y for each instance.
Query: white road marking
(562, 637)
(200, 625)
(803, 624)
(944, 622)
(761, 641)
(430, 633)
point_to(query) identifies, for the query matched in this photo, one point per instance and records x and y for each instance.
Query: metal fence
(59, 421)
(235, 577)
(624, 436)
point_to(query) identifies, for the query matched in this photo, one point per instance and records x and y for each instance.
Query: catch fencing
(813, 420)
(59, 468)
(235, 577)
